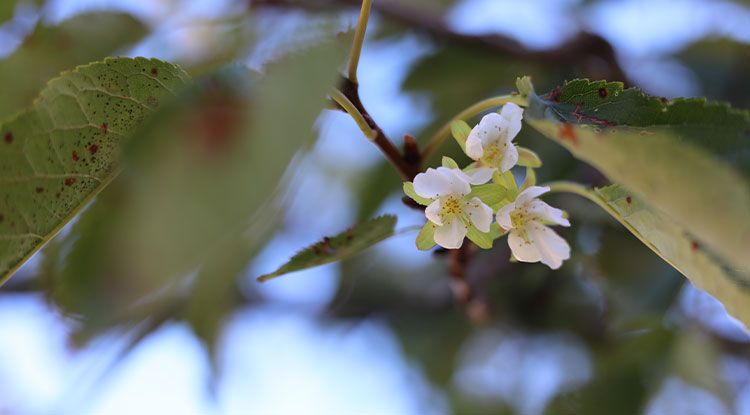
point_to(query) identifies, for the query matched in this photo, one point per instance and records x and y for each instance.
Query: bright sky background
(281, 359)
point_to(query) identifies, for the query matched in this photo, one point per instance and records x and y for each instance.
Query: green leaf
(496, 231)
(528, 158)
(341, 246)
(426, 237)
(678, 247)
(482, 239)
(409, 190)
(7, 7)
(530, 179)
(50, 50)
(460, 131)
(489, 193)
(449, 163)
(687, 158)
(56, 156)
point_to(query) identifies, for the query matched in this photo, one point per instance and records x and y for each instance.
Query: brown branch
(407, 169)
(586, 48)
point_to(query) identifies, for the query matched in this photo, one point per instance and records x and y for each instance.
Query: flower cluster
(462, 203)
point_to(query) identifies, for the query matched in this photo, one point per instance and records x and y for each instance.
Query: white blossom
(489, 142)
(529, 239)
(451, 210)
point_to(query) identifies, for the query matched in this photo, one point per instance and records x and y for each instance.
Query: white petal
(480, 175)
(480, 214)
(552, 248)
(430, 184)
(474, 147)
(510, 157)
(512, 115)
(458, 181)
(451, 235)
(491, 128)
(433, 213)
(554, 215)
(522, 250)
(530, 193)
(503, 216)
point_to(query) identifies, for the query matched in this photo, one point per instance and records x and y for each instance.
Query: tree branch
(584, 48)
(407, 169)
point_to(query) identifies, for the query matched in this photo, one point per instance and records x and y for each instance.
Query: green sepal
(460, 131)
(508, 181)
(528, 158)
(524, 86)
(426, 238)
(482, 239)
(409, 190)
(489, 193)
(496, 231)
(530, 179)
(449, 163)
(499, 205)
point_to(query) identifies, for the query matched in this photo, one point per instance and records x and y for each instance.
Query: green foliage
(342, 246)
(673, 155)
(200, 194)
(490, 193)
(681, 250)
(7, 8)
(482, 239)
(50, 50)
(426, 237)
(409, 190)
(460, 131)
(56, 156)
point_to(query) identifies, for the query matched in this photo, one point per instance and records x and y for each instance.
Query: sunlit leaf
(676, 245)
(342, 246)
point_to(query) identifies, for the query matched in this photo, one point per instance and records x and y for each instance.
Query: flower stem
(440, 136)
(359, 37)
(347, 105)
(579, 189)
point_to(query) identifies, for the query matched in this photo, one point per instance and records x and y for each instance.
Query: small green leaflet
(56, 156)
(678, 247)
(341, 246)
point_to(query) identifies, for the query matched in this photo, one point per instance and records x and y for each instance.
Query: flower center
(520, 217)
(450, 206)
(493, 153)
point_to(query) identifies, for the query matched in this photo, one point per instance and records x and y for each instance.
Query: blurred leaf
(625, 372)
(687, 158)
(56, 156)
(7, 9)
(200, 193)
(341, 246)
(49, 50)
(721, 66)
(676, 245)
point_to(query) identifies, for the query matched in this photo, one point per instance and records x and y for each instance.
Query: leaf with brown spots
(687, 158)
(673, 243)
(43, 180)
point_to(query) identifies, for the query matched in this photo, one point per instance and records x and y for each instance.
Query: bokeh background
(615, 330)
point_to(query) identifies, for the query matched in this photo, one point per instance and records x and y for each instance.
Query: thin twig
(359, 37)
(347, 105)
(580, 50)
(407, 170)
